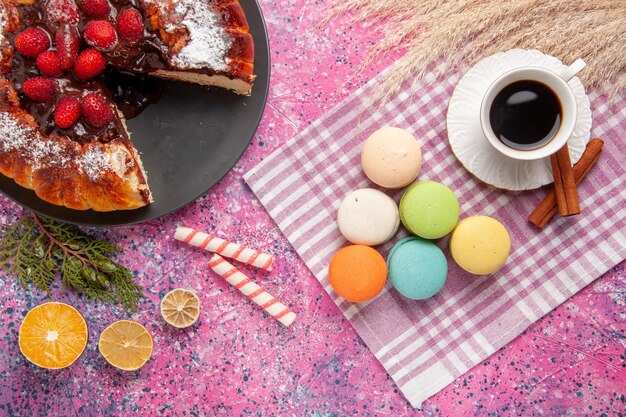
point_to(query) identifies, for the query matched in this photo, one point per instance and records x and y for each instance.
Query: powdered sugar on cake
(208, 41)
(13, 135)
(40, 153)
(95, 162)
(45, 153)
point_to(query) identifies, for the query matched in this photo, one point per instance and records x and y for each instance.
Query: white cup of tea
(530, 112)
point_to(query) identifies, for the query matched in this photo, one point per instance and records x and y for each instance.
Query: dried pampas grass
(445, 35)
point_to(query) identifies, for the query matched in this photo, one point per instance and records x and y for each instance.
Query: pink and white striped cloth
(425, 345)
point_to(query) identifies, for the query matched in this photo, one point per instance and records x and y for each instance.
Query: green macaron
(429, 209)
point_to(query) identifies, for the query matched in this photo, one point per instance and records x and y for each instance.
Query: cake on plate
(62, 134)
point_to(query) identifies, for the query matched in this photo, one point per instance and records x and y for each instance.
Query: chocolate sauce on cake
(131, 93)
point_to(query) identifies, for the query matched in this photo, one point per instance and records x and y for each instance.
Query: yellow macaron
(480, 245)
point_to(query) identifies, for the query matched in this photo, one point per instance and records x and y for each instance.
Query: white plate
(469, 143)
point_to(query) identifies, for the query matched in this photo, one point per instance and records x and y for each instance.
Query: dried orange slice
(126, 344)
(180, 307)
(53, 335)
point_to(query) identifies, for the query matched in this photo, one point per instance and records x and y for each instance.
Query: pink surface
(237, 361)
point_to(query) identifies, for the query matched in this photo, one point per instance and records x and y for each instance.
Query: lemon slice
(126, 344)
(53, 335)
(180, 307)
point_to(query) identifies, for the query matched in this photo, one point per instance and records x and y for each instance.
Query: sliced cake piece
(207, 42)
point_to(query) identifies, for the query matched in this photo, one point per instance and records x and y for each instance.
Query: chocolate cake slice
(61, 132)
(207, 43)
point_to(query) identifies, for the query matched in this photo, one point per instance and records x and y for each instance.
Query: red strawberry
(67, 112)
(59, 12)
(96, 110)
(39, 88)
(89, 64)
(49, 64)
(96, 9)
(32, 42)
(67, 42)
(101, 35)
(130, 26)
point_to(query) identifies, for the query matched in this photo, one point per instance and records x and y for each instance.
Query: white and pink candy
(225, 248)
(252, 290)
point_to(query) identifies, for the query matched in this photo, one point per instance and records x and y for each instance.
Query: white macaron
(368, 217)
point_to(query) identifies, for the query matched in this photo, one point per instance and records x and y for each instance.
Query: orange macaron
(357, 273)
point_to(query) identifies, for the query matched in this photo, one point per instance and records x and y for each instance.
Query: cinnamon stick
(548, 207)
(564, 183)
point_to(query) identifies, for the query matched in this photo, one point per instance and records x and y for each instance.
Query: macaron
(429, 209)
(357, 273)
(417, 268)
(480, 245)
(391, 157)
(368, 217)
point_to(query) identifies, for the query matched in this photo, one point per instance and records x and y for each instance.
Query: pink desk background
(237, 361)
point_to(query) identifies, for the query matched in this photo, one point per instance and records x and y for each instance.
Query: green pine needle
(38, 250)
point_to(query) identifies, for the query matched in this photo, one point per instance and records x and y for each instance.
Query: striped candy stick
(251, 290)
(225, 248)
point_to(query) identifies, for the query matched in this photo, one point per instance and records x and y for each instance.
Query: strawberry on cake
(61, 132)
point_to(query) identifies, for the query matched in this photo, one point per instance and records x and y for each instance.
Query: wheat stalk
(447, 35)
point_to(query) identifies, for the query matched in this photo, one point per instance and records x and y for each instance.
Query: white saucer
(469, 143)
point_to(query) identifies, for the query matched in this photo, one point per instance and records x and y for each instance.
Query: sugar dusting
(41, 153)
(13, 135)
(46, 153)
(95, 162)
(29, 144)
(209, 42)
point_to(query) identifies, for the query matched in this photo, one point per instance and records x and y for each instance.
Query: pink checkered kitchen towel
(425, 345)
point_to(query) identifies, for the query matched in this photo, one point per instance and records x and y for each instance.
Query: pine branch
(38, 250)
